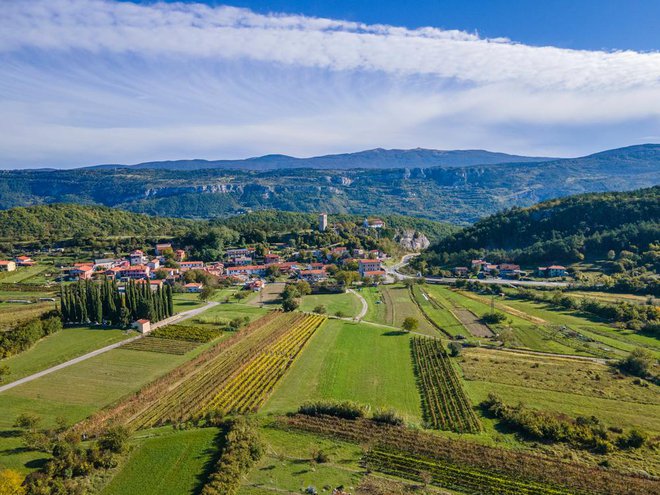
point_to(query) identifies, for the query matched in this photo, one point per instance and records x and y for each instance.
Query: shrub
(341, 409)
(635, 439)
(455, 348)
(389, 416)
(410, 324)
(321, 457)
(320, 309)
(638, 363)
(493, 318)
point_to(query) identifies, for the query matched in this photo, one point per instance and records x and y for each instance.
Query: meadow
(363, 362)
(167, 462)
(345, 303)
(61, 346)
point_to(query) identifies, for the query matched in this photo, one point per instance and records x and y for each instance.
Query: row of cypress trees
(89, 301)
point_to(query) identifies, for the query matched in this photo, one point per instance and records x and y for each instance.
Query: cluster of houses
(11, 265)
(241, 265)
(483, 269)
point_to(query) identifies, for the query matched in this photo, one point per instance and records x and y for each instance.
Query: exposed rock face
(413, 241)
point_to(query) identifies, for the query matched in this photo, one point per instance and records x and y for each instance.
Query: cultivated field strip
(452, 477)
(444, 402)
(163, 346)
(235, 380)
(152, 395)
(470, 467)
(247, 390)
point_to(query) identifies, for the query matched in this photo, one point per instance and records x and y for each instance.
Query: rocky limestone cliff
(413, 241)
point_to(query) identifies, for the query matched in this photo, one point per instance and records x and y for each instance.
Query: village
(247, 266)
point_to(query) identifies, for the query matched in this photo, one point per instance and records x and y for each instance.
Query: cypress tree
(170, 302)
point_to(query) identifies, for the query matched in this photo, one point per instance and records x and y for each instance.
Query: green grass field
(223, 313)
(377, 311)
(348, 361)
(12, 313)
(562, 385)
(29, 274)
(621, 339)
(347, 303)
(185, 301)
(74, 393)
(61, 346)
(167, 462)
(288, 465)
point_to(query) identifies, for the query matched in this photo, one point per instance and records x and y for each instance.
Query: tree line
(102, 303)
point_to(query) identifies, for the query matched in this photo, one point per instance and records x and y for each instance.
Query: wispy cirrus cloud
(83, 81)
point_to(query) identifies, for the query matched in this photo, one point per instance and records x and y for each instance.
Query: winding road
(174, 319)
(394, 272)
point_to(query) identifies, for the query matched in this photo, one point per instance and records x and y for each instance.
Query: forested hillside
(565, 230)
(273, 221)
(61, 221)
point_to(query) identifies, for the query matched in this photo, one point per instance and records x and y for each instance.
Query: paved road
(394, 272)
(174, 319)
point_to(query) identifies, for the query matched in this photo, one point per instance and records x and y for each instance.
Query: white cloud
(85, 81)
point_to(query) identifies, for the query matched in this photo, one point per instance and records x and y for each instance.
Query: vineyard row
(444, 402)
(473, 460)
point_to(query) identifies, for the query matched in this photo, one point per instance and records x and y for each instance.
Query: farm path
(363, 301)
(174, 319)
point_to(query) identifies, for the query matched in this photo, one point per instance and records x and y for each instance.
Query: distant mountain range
(370, 159)
(459, 194)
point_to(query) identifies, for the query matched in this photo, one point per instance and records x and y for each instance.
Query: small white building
(7, 266)
(142, 326)
(323, 222)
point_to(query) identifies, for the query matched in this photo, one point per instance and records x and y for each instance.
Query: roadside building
(315, 275)
(142, 326)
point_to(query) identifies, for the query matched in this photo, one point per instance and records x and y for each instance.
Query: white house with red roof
(133, 272)
(7, 266)
(366, 265)
(193, 287)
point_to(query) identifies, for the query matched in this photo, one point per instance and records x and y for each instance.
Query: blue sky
(580, 24)
(104, 81)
